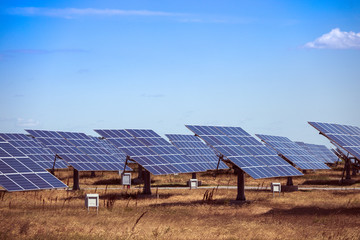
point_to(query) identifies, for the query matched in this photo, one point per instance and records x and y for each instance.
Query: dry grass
(181, 213)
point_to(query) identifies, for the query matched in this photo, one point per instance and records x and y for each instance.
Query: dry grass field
(182, 213)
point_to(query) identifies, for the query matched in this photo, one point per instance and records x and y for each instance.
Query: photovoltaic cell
(240, 157)
(167, 151)
(85, 157)
(95, 151)
(293, 152)
(20, 173)
(194, 148)
(34, 150)
(261, 152)
(109, 147)
(320, 152)
(345, 136)
(142, 154)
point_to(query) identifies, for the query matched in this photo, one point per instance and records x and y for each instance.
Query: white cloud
(27, 122)
(336, 39)
(76, 12)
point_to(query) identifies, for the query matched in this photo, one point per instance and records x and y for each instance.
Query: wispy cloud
(336, 39)
(77, 12)
(27, 122)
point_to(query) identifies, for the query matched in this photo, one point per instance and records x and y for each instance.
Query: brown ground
(182, 213)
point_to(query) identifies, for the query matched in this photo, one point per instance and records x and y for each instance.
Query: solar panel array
(293, 152)
(256, 148)
(345, 136)
(194, 148)
(34, 150)
(109, 147)
(95, 151)
(20, 173)
(167, 150)
(254, 166)
(149, 151)
(319, 151)
(88, 156)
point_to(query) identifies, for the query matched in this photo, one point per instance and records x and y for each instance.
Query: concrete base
(286, 188)
(188, 183)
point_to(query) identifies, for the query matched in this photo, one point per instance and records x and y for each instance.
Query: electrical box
(92, 200)
(276, 188)
(126, 179)
(193, 183)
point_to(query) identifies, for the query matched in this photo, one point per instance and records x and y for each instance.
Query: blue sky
(266, 66)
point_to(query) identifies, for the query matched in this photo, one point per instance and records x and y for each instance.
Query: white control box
(126, 179)
(92, 200)
(276, 188)
(193, 183)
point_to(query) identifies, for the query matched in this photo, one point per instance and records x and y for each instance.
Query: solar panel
(243, 159)
(263, 153)
(345, 136)
(321, 152)
(95, 151)
(167, 151)
(109, 147)
(142, 154)
(20, 173)
(194, 148)
(293, 152)
(88, 156)
(34, 150)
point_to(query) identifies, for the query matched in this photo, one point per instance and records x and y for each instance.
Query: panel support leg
(193, 176)
(140, 172)
(347, 169)
(92, 174)
(289, 182)
(76, 185)
(147, 183)
(354, 170)
(241, 185)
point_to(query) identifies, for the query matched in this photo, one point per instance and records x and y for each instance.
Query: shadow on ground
(303, 211)
(330, 182)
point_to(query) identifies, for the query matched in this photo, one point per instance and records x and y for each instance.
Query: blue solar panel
(19, 173)
(78, 150)
(96, 151)
(194, 148)
(110, 147)
(167, 151)
(238, 155)
(345, 136)
(319, 151)
(142, 154)
(34, 150)
(293, 152)
(261, 152)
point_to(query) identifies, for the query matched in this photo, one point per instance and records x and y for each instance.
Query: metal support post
(140, 172)
(241, 185)
(348, 169)
(289, 182)
(76, 176)
(147, 183)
